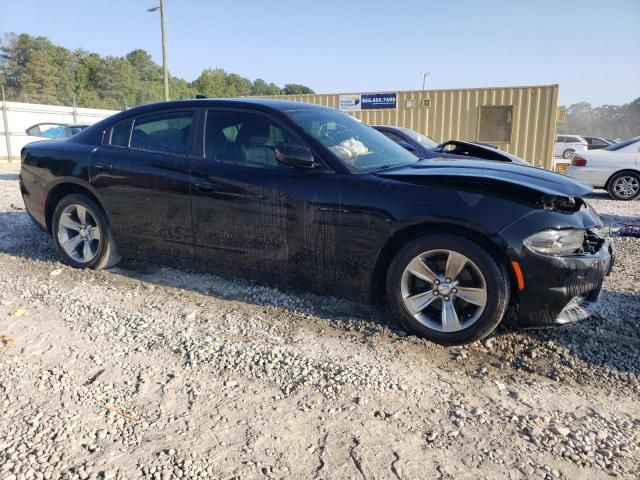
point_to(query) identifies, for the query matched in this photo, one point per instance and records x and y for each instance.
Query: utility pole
(165, 73)
(425, 75)
(6, 125)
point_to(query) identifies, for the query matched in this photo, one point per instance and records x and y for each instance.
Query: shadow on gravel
(253, 292)
(610, 339)
(20, 236)
(9, 176)
(616, 221)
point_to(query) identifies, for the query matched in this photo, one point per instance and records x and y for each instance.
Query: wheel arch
(410, 233)
(624, 170)
(61, 190)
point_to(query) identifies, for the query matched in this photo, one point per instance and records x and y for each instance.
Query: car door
(141, 173)
(253, 215)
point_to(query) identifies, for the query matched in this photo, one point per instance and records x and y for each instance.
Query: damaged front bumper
(561, 290)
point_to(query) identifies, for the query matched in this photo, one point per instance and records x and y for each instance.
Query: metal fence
(18, 116)
(115, 100)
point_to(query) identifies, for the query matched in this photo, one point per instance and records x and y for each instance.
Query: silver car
(567, 145)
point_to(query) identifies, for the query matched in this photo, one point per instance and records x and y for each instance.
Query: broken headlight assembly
(556, 242)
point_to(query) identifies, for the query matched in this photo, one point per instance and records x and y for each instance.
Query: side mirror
(407, 146)
(294, 155)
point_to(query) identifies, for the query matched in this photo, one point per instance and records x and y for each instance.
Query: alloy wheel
(626, 186)
(444, 290)
(78, 233)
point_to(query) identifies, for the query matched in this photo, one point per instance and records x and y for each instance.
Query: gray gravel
(153, 372)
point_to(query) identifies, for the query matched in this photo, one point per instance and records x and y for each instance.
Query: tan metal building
(519, 120)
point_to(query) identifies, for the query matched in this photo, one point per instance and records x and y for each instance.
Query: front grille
(592, 242)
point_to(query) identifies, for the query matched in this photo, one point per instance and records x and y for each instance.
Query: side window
(164, 132)
(393, 136)
(120, 134)
(50, 130)
(571, 140)
(244, 139)
(560, 139)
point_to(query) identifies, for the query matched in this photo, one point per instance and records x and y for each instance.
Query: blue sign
(378, 100)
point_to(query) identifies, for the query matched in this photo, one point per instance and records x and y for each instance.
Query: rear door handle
(103, 166)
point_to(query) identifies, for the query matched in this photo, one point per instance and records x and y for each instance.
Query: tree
(262, 88)
(36, 70)
(259, 87)
(609, 121)
(211, 83)
(297, 89)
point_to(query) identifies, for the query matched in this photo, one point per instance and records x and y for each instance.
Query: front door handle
(103, 166)
(205, 187)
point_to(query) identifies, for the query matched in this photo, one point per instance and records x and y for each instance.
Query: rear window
(624, 143)
(120, 134)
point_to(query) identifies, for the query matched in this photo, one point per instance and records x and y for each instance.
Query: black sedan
(426, 147)
(304, 195)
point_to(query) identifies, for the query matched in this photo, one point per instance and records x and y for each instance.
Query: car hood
(487, 172)
(482, 151)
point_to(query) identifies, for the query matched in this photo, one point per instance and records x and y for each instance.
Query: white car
(615, 168)
(567, 145)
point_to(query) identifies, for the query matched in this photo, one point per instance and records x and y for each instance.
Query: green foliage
(609, 121)
(35, 70)
(296, 89)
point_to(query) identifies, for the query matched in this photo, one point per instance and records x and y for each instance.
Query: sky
(590, 47)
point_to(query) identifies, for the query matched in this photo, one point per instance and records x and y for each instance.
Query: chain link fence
(115, 100)
(21, 109)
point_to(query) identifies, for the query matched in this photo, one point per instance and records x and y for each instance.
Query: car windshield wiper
(391, 165)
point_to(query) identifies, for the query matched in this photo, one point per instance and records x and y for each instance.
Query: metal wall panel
(454, 114)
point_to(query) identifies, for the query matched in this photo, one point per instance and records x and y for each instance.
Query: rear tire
(624, 186)
(448, 289)
(82, 234)
(568, 154)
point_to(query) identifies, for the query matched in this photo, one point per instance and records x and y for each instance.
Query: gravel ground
(153, 372)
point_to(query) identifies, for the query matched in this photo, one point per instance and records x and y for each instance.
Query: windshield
(624, 143)
(355, 143)
(423, 140)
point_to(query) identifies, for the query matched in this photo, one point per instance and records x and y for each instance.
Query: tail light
(578, 162)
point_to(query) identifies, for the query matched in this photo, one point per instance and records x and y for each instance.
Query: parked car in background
(566, 146)
(615, 168)
(304, 195)
(426, 147)
(54, 130)
(596, 143)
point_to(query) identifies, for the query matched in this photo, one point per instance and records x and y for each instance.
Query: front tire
(448, 289)
(624, 186)
(568, 154)
(82, 234)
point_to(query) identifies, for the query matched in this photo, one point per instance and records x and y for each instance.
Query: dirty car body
(302, 195)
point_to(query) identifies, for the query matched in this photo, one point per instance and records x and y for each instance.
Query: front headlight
(556, 242)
